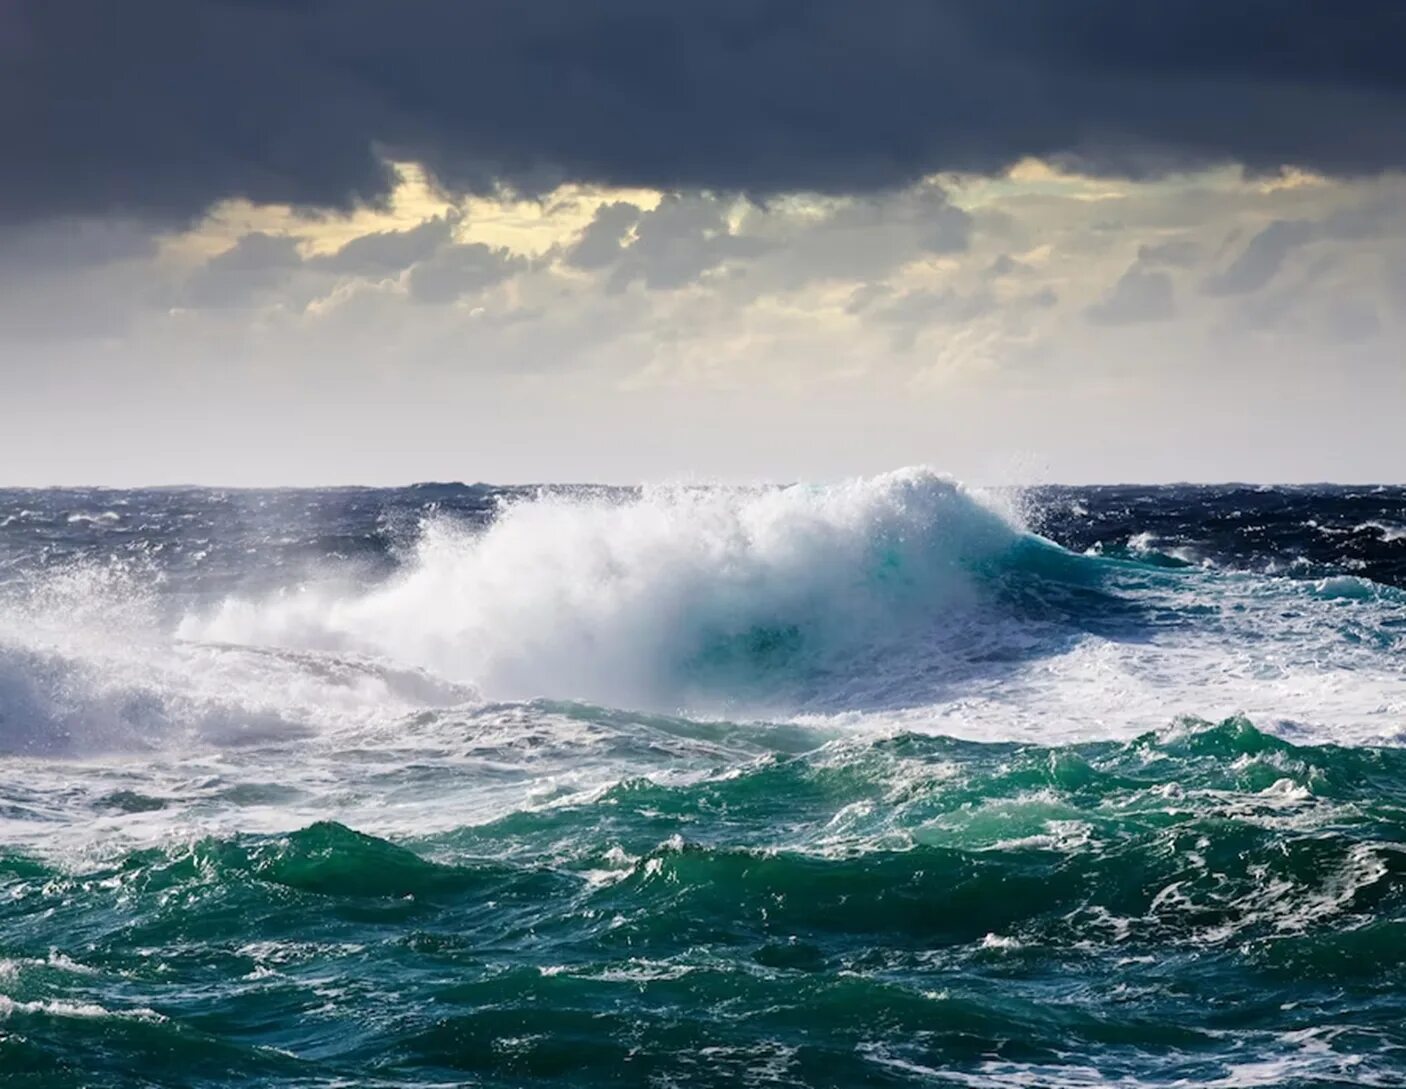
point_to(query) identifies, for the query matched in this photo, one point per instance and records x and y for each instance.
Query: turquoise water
(1208, 906)
(928, 810)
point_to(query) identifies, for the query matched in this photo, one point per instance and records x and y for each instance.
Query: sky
(268, 242)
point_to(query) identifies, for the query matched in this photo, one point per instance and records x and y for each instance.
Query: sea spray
(635, 600)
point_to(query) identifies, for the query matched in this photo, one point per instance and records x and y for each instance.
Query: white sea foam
(1388, 531)
(630, 602)
(87, 664)
(55, 1007)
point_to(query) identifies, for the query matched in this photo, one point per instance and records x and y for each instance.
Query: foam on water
(89, 664)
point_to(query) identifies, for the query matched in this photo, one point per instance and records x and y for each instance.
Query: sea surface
(883, 783)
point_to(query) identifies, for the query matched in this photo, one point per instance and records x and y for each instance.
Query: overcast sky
(264, 242)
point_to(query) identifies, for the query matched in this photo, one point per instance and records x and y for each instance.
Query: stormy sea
(881, 783)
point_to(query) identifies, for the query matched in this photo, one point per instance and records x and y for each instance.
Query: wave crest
(660, 598)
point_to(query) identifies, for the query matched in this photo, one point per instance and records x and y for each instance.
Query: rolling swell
(836, 917)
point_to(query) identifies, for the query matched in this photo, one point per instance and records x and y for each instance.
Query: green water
(1205, 906)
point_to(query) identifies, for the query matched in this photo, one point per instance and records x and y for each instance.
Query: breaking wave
(669, 597)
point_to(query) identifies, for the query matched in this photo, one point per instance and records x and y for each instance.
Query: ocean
(882, 783)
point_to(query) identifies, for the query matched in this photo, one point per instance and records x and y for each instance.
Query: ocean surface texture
(879, 784)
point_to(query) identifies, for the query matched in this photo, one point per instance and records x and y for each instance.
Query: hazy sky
(262, 242)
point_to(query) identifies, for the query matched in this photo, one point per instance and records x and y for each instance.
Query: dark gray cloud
(263, 269)
(603, 240)
(1260, 261)
(158, 108)
(1138, 296)
(249, 270)
(455, 271)
(386, 253)
(675, 243)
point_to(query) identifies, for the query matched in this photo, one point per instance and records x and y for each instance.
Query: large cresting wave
(664, 598)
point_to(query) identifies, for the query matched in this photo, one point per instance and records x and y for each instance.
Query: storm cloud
(156, 110)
